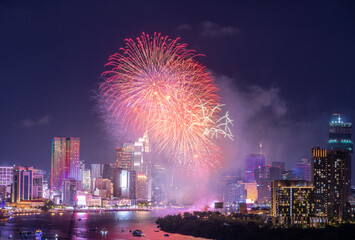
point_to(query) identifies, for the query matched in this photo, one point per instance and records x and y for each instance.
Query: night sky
(285, 67)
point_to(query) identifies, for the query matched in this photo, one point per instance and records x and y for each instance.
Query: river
(83, 225)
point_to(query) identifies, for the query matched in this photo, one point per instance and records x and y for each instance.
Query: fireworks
(155, 84)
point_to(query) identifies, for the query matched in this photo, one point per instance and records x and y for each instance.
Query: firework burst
(155, 84)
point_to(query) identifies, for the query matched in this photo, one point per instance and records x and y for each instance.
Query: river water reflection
(88, 226)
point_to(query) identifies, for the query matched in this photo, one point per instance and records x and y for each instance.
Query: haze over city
(295, 58)
(181, 119)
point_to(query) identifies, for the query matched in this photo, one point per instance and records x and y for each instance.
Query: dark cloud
(211, 29)
(34, 122)
(184, 27)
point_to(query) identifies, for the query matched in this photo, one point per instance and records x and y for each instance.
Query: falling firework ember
(156, 85)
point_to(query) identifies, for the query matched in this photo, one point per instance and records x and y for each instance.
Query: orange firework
(155, 84)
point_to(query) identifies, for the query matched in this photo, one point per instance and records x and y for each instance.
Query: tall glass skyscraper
(340, 135)
(65, 161)
(253, 162)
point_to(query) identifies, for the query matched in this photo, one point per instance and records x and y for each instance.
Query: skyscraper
(125, 156)
(86, 180)
(37, 183)
(6, 176)
(304, 170)
(142, 187)
(22, 184)
(65, 161)
(292, 200)
(70, 188)
(96, 171)
(263, 177)
(340, 135)
(252, 162)
(331, 178)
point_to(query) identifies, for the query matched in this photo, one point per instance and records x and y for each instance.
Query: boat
(166, 235)
(4, 213)
(138, 233)
(38, 233)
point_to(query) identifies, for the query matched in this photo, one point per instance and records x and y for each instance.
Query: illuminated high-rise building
(86, 180)
(124, 184)
(125, 156)
(22, 186)
(304, 170)
(263, 177)
(331, 179)
(96, 171)
(340, 135)
(280, 165)
(38, 190)
(253, 162)
(292, 200)
(142, 187)
(65, 161)
(251, 191)
(69, 191)
(6, 176)
(235, 193)
(159, 186)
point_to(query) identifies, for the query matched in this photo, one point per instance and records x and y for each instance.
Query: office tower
(86, 180)
(263, 177)
(69, 190)
(288, 175)
(331, 179)
(235, 193)
(340, 135)
(141, 162)
(304, 170)
(280, 165)
(81, 169)
(292, 200)
(22, 183)
(65, 161)
(103, 188)
(38, 190)
(252, 162)
(6, 176)
(125, 156)
(251, 191)
(108, 171)
(142, 187)
(159, 185)
(95, 171)
(124, 184)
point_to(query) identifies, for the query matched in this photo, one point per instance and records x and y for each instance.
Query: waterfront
(83, 225)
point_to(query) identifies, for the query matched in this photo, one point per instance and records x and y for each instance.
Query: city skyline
(264, 57)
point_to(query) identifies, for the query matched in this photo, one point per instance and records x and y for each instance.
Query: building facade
(253, 162)
(22, 187)
(96, 171)
(69, 191)
(304, 170)
(292, 200)
(331, 178)
(38, 190)
(263, 177)
(65, 161)
(340, 135)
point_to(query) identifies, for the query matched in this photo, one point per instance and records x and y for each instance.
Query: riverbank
(87, 225)
(218, 227)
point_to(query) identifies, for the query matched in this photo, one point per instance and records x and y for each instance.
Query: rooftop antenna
(339, 116)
